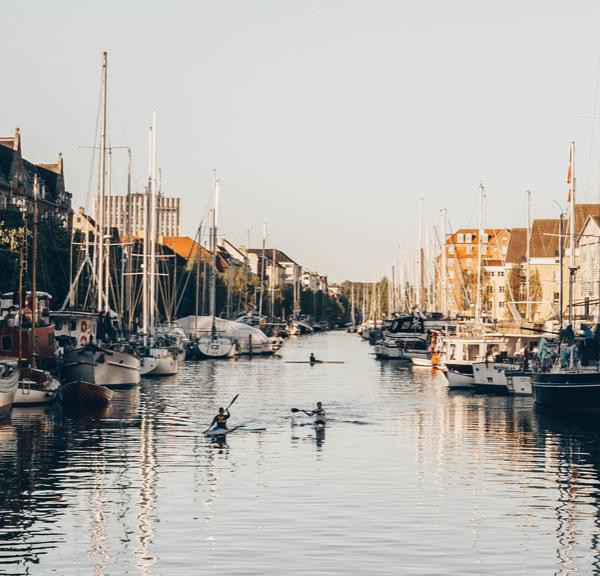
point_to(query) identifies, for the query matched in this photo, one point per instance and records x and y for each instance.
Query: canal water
(407, 479)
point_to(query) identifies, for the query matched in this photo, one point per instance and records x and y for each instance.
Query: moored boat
(36, 387)
(80, 393)
(101, 366)
(9, 380)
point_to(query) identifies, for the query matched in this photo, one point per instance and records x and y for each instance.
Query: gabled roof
(185, 247)
(545, 237)
(517, 246)
(280, 256)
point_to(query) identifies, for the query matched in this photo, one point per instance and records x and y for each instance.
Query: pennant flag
(570, 173)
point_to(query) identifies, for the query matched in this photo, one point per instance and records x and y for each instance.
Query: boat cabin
(74, 328)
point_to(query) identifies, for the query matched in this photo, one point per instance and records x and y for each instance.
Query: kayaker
(319, 414)
(220, 420)
(312, 358)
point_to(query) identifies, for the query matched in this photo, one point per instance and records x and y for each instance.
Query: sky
(325, 120)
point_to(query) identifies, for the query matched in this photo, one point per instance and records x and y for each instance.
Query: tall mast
(572, 267)
(528, 280)
(420, 252)
(272, 298)
(101, 303)
(444, 265)
(352, 315)
(36, 192)
(262, 273)
(107, 225)
(479, 250)
(153, 230)
(213, 280)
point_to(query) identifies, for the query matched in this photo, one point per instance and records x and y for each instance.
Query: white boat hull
(147, 364)
(9, 380)
(39, 388)
(104, 367)
(519, 384)
(166, 363)
(491, 376)
(217, 347)
(459, 379)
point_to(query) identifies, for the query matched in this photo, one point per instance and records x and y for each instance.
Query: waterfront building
(127, 214)
(461, 270)
(314, 281)
(588, 270)
(274, 272)
(16, 182)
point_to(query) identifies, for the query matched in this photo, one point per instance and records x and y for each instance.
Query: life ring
(83, 340)
(84, 325)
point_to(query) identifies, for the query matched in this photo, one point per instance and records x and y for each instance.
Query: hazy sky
(325, 119)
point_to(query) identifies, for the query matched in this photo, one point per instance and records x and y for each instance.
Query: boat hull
(519, 383)
(36, 387)
(166, 364)
(490, 377)
(9, 380)
(217, 347)
(86, 394)
(104, 367)
(460, 376)
(580, 390)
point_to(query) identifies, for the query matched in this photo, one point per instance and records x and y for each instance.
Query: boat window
(58, 325)
(72, 325)
(6, 342)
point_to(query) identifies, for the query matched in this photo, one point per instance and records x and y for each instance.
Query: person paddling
(319, 414)
(312, 358)
(220, 420)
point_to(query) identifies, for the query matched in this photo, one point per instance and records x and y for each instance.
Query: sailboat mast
(528, 279)
(572, 267)
(262, 273)
(444, 264)
(101, 304)
(420, 252)
(153, 231)
(36, 192)
(213, 279)
(479, 253)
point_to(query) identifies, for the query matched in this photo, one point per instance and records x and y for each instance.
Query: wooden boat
(86, 394)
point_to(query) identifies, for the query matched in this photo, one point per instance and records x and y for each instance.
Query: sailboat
(88, 361)
(569, 384)
(215, 345)
(160, 357)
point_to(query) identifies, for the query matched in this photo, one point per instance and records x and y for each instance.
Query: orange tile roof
(184, 246)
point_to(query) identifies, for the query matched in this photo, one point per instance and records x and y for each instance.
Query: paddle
(228, 407)
(299, 410)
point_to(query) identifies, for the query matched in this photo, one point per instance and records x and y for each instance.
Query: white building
(127, 214)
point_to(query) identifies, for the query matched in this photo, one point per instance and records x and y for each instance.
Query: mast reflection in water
(407, 478)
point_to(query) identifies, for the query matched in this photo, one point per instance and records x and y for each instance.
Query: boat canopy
(229, 328)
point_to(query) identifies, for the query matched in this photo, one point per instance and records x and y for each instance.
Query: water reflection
(498, 485)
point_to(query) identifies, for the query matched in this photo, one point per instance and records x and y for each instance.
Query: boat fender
(83, 340)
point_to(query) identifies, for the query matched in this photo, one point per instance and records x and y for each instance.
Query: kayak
(214, 431)
(314, 362)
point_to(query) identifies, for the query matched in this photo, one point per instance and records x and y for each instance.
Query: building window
(468, 238)
(451, 249)
(468, 262)
(485, 238)
(501, 304)
(556, 296)
(469, 249)
(490, 289)
(461, 238)
(501, 289)
(501, 273)
(6, 342)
